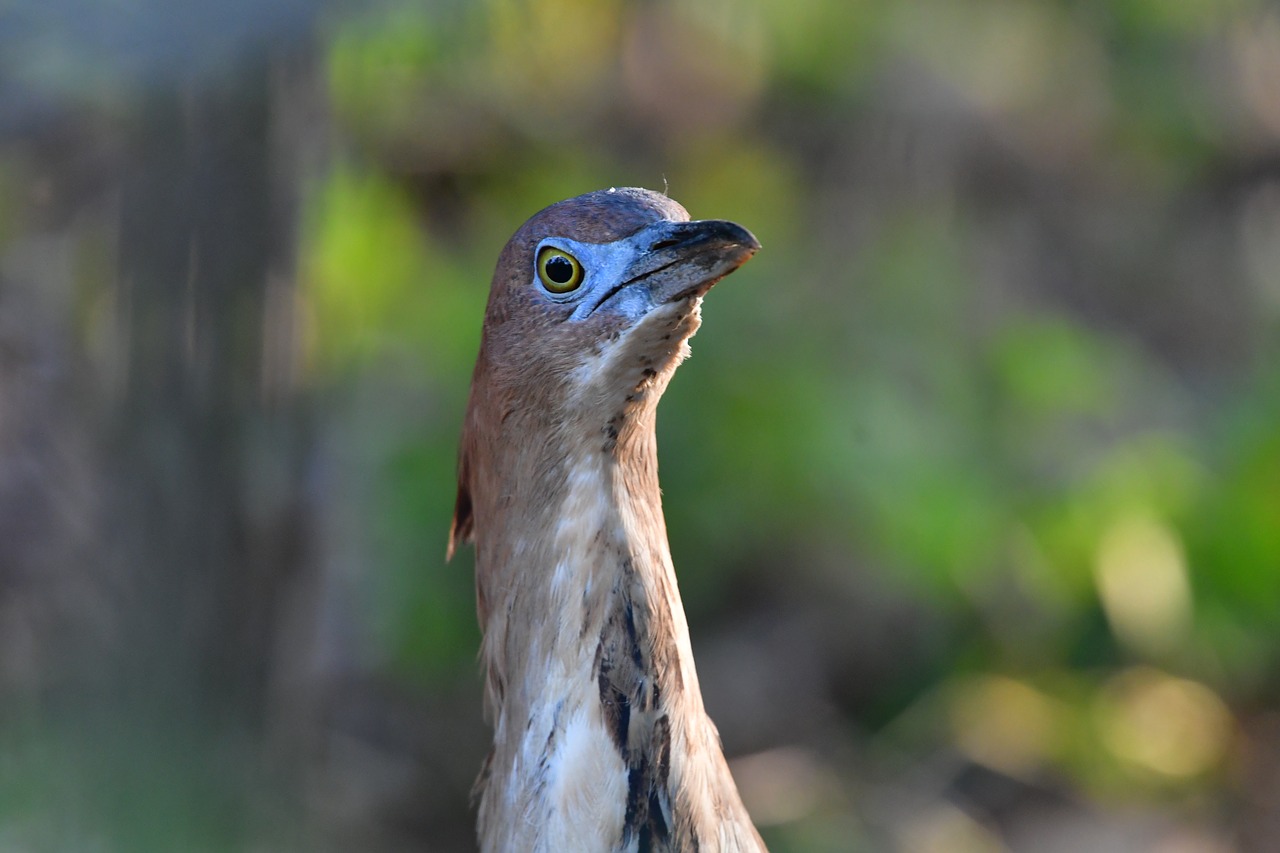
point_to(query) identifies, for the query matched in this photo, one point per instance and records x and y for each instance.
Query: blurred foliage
(994, 411)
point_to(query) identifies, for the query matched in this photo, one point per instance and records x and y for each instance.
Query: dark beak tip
(729, 234)
(746, 241)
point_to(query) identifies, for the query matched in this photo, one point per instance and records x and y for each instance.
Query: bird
(601, 741)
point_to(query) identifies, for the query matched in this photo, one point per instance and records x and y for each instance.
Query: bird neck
(600, 736)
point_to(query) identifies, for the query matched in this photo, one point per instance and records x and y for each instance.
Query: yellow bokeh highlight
(552, 55)
(1004, 723)
(1171, 726)
(1141, 571)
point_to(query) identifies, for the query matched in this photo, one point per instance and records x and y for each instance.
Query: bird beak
(669, 261)
(679, 259)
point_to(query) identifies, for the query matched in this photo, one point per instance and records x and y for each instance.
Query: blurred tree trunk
(204, 443)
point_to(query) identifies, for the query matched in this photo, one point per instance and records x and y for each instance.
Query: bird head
(592, 303)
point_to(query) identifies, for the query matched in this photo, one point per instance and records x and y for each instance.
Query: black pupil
(559, 269)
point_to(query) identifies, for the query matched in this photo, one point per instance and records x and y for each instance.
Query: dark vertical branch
(202, 459)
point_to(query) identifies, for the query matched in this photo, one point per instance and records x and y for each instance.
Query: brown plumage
(601, 741)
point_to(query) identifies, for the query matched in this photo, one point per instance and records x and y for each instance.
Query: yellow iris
(558, 270)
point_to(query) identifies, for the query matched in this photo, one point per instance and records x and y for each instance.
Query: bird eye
(558, 270)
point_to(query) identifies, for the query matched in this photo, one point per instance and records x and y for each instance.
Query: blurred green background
(973, 482)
